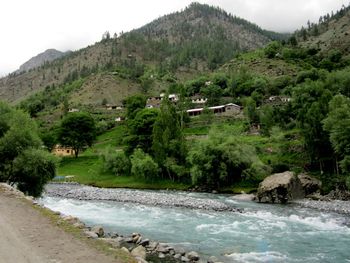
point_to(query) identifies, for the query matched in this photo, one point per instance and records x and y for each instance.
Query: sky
(29, 27)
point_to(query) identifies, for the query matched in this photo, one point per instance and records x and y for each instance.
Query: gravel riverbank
(161, 198)
(335, 206)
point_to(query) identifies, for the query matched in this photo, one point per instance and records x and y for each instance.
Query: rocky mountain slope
(174, 47)
(332, 32)
(44, 57)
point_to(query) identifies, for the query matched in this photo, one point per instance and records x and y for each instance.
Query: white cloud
(30, 27)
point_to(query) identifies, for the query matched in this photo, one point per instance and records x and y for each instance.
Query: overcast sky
(29, 27)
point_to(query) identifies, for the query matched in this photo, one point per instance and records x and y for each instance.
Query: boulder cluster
(143, 249)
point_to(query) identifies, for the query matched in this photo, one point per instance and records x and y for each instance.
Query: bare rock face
(280, 188)
(310, 184)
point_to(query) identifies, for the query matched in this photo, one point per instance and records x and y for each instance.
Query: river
(261, 233)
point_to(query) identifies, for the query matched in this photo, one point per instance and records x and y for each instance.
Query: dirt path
(26, 236)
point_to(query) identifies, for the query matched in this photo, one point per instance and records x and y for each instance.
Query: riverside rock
(309, 184)
(98, 230)
(280, 188)
(193, 256)
(139, 251)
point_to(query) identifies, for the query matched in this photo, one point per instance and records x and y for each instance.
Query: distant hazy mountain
(46, 56)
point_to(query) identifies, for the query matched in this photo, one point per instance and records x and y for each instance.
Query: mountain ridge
(41, 58)
(198, 39)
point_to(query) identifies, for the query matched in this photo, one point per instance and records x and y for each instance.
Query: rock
(125, 250)
(309, 184)
(79, 225)
(243, 197)
(129, 240)
(112, 241)
(184, 259)
(162, 249)
(139, 240)
(181, 251)
(139, 251)
(177, 256)
(280, 188)
(140, 260)
(152, 246)
(98, 230)
(70, 219)
(339, 194)
(212, 260)
(161, 255)
(91, 234)
(193, 256)
(144, 242)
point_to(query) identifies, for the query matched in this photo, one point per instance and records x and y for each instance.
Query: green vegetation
(77, 131)
(295, 94)
(23, 162)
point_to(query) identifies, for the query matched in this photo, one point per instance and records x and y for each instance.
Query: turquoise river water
(262, 233)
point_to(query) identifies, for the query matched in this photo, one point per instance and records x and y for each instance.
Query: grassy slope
(87, 168)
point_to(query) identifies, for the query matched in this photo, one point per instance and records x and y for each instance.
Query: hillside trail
(26, 236)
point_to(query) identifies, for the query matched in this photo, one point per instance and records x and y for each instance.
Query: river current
(261, 233)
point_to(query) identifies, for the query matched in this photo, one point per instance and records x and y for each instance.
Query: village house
(73, 110)
(198, 100)
(278, 100)
(154, 102)
(229, 109)
(59, 150)
(119, 119)
(113, 107)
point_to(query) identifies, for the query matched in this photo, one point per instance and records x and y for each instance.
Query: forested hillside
(174, 47)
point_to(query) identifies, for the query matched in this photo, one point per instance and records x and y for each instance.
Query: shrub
(142, 165)
(116, 162)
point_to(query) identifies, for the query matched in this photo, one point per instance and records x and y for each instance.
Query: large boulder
(309, 184)
(280, 188)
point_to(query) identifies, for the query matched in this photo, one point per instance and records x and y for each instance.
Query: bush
(222, 160)
(116, 162)
(142, 165)
(32, 169)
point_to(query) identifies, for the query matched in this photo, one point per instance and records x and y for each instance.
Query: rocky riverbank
(334, 206)
(161, 198)
(143, 249)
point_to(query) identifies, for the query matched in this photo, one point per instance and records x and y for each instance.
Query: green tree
(140, 130)
(337, 124)
(272, 49)
(32, 169)
(310, 104)
(134, 104)
(116, 162)
(142, 165)
(251, 111)
(77, 130)
(213, 93)
(23, 162)
(223, 159)
(168, 146)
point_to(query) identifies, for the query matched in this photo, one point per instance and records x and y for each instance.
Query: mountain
(172, 48)
(331, 32)
(46, 56)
